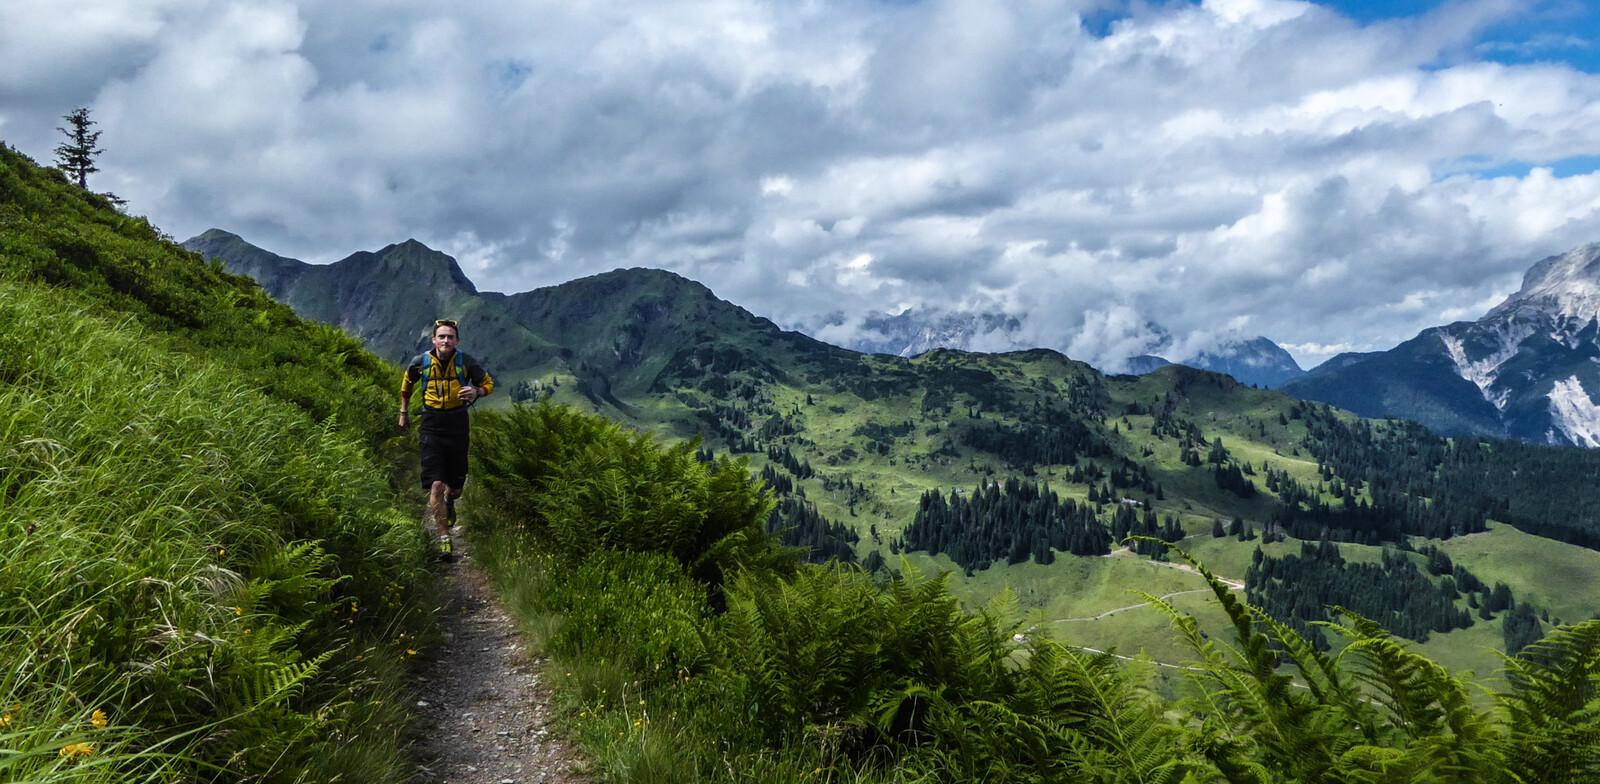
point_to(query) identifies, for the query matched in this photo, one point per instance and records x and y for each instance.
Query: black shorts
(444, 459)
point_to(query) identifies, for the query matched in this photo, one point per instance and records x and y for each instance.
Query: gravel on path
(483, 711)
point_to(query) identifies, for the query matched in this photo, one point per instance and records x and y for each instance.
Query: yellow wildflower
(77, 750)
(5, 721)
(98, 719)
(238, 611)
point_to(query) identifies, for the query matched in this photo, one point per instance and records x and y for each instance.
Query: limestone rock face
(1529, 369)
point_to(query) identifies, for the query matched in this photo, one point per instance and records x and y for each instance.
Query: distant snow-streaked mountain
(911, 333)
(1529, 369)
(1258, 361)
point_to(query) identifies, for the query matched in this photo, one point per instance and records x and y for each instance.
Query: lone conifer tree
(76, 155)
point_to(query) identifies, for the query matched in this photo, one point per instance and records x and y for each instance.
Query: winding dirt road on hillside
(482, 707)
(1233, 585)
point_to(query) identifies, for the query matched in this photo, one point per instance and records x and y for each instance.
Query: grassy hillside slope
(206, 576)
(693, 651)
(57, 235)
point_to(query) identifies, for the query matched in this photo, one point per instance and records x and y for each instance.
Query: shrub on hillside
(579, 485)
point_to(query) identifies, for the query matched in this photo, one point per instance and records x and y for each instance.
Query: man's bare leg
(436, 508)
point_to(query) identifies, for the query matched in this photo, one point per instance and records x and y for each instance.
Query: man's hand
(469, 394)
(405, 420)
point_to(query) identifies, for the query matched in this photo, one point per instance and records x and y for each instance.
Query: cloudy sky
(1333, 176)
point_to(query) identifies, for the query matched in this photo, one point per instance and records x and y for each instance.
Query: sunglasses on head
(444, 323)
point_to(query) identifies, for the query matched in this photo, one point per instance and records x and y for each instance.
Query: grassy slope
(1247, 420)
(56, 234)
(200, 541)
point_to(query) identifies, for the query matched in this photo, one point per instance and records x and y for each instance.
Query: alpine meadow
(750, 556)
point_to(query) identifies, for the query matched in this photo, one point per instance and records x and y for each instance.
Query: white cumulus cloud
(1180, 173)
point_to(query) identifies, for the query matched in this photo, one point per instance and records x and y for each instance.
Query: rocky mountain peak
(1565, 286)
(413, 261)
(914, 332)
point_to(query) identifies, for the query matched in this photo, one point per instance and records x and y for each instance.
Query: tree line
(1426, 485)
(1004, 523)
(1299, 589)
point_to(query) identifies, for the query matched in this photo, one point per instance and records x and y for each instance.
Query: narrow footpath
(482, 707)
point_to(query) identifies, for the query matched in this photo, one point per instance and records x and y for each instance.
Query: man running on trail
(452, 382)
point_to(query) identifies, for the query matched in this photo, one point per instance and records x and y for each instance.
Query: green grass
(1560, 578)
(1475, 650)
(826, 674)
(193, 558)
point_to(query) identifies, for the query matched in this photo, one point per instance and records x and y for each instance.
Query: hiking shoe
(450, 510)
(445, 551)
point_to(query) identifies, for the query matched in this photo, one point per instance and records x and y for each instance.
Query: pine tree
(1522, 628)
(76, 155)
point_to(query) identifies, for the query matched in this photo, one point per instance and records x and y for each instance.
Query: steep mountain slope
(1528, 369)
(613, 333)
(387, 298)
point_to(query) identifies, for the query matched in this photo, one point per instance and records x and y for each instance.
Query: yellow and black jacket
(441, 381)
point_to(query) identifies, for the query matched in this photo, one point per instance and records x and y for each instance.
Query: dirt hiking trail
(482, 706)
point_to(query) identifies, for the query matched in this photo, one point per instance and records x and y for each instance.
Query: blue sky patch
(1547, 31)
(1483, 168)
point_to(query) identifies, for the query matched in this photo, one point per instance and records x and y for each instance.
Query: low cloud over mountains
(1220, 168)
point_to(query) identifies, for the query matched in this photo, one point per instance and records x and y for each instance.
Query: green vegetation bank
(204, 571)
(696, 648)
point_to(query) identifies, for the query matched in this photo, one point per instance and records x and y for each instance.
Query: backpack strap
(460, 368)
(461, 374)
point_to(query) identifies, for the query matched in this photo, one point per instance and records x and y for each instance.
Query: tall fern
(1554, 707)
(581, 484)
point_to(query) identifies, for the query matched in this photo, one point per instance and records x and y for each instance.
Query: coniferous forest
(1300, 589)
(1005, 524)
(1426, 485)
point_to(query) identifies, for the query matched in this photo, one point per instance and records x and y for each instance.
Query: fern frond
(1295, 734)
(1554, 705)
(1328, 684)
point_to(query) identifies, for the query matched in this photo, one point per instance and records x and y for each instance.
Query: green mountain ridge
(864, 439)
(615, 332)
(356, 294)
